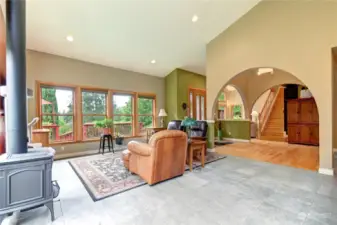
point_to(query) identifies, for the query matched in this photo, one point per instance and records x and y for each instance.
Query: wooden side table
(195, 146)
(152, 130)
(41, 136)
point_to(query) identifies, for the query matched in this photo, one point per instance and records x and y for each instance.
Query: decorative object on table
(102, 177)
(219, 130)
(105, 124)
(106, 137)
(118, 137)
(305, 93)
(188, 123)
(185, 108)
(151, 131)
(162, 114)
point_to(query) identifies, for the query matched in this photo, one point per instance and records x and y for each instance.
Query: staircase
(271, 119)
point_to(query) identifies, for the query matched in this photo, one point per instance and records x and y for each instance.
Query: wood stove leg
(50, 206)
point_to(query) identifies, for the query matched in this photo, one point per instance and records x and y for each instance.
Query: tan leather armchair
(163, 158)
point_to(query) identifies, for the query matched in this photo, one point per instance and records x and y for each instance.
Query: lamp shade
(162, 112)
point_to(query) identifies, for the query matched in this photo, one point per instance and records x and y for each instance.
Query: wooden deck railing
(90, 131)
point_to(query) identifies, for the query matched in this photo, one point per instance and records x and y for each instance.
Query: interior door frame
(196, 91)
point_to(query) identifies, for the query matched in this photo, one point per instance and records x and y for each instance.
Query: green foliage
(93, 103)
(65, 128)
(221, 96)
(237, 112)
(106, 123)
(49, 94)
(189, 122)
(145, 106)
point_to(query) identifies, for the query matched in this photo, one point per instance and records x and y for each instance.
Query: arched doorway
(230, 104)
(268, 92)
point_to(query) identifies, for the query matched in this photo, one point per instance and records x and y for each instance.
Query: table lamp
(162, 114)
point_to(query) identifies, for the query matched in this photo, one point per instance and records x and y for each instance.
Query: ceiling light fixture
(195, 18)
(153, 61)
(70, 38)
(261, 71)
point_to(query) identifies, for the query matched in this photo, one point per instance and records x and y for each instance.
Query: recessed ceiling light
(195, 18)
(70, 38)
(153, 61)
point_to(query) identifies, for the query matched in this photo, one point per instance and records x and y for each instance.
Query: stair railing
(266, 110)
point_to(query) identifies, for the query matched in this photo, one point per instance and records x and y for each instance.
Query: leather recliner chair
(175, 125)
(164, 157)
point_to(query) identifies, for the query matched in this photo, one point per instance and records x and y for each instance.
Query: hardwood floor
(299, 156)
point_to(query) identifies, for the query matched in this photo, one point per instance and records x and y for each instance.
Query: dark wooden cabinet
(293, 107)
(293, 134)
(303, 121)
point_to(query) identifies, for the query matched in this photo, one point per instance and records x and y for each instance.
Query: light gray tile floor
(229, 191)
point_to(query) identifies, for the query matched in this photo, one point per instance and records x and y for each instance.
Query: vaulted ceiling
(129, 34)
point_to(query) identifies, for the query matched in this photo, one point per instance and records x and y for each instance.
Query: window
(197, 104)
(70, 112)
(94, 109)
(123, 114)
(237, 112)
(57, 112)
(146, 113)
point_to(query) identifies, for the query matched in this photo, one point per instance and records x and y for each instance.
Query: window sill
(89, 140)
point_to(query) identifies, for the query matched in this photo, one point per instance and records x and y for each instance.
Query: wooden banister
(267, 109)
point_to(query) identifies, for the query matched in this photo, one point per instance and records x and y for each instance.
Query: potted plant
(188, 123)
(118, 137)
(219, 130)
(105, 124)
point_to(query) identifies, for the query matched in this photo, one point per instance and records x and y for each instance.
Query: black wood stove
(25, 175)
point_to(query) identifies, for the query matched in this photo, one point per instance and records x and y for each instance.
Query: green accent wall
(187, 80)
(210, 134)
(171, 84)
(177, 84)
(237, 129)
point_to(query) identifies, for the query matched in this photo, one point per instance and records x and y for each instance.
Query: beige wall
(251, 86)
(295, 36)
(334, 78)
(60, 70)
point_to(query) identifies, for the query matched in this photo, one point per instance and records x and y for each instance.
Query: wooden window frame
(133, 109)
(154, 111)
(82, 115)
(77, 110)
(40, 114)
(196, 91)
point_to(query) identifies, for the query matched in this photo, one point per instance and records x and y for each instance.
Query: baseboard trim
(326, 171)
(211, 150)
(236, 140)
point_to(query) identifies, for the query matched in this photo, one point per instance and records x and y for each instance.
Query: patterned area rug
(105, 175)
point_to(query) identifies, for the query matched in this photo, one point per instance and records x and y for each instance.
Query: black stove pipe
(16, 77)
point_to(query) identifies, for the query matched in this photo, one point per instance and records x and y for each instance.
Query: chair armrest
(140, 148)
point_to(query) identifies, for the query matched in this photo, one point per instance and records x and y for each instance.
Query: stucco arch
(242, 96)
(251, 86)
(295, 43)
